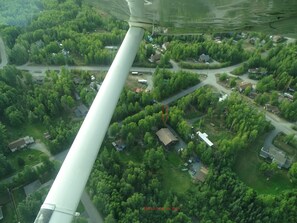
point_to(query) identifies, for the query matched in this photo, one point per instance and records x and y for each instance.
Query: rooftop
(276, 155)
(81, 110)
(204, 136)
(166, 136)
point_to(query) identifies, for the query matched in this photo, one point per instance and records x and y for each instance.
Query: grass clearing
(247, 168)
(173, 178)
(214, 130)
(34, 130)
(134, 154)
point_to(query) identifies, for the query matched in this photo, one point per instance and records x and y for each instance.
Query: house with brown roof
(201, 174)
(166, 136)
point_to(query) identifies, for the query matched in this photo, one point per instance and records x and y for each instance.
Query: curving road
(279, 123)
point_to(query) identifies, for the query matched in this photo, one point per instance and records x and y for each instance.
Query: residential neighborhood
(202, 128)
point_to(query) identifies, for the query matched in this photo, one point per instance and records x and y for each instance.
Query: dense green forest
(19, 12)
(167, 83)
(79, 34)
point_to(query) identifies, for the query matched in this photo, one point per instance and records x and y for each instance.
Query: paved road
(90, 208)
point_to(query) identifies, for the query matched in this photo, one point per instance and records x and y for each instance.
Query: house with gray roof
(276, 155)
(81, 111)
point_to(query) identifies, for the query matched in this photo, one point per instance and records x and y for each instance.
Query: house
(81, 111)
(244, 85)
(204, 58)
(271, 108)
(166, 136)
(20, 143)
(201, 174)
(223, 98)
(119, 145)
(1, 213)
(155, 57)
(204, 136)
(276, 155)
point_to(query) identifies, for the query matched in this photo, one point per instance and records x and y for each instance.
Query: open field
(174, 179)
(247, 168)
(34, 130)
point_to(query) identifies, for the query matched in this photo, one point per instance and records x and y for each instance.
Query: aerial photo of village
(205, 129)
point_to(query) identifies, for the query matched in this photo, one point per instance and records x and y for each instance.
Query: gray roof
(20, 143)
(275, 154)
(81, 110)
(204, 57)
(278, 156)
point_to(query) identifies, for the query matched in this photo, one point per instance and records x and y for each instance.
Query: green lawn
(214, 132)
(134, 154)
(34, 130)
(247, 168)
(173, 178)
